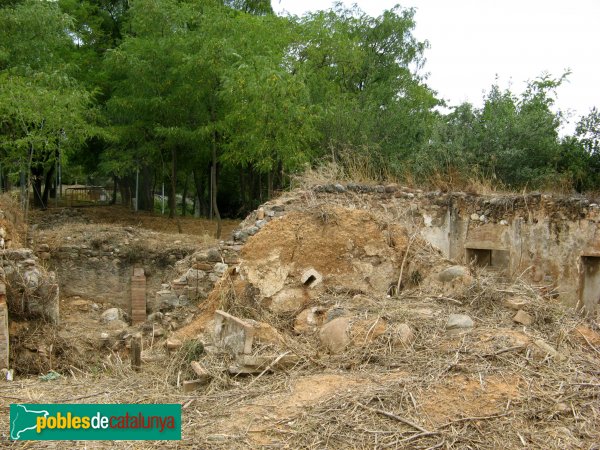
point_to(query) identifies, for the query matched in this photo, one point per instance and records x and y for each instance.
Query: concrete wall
(551, 242)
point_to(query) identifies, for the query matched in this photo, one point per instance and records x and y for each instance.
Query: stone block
(233, 333)
(4, 342)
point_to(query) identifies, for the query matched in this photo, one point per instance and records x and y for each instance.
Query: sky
(473, 41)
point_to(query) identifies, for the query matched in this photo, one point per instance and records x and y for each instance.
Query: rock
(586, 335)
(203, 267)
(336, 312)
(116, 325)
(155, 317)
(544, 349)
(289, 300)
(309, 320)
(458, 323)
(474, 217)
(334, 335)
(173, 344)
(220, 269)
(45, 256)
(515, 303)
(260, 223)
(192, 385)
(504, 222)
(194, 275)
(451, 273)
(260, 213)
(482, 218)
(158, 332)
(213, 255)
(523, 318)
(166, 299)
(112, 314)
(251, 231)
(404, 335)
(339, 188)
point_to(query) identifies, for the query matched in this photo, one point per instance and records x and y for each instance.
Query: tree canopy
(233, 99)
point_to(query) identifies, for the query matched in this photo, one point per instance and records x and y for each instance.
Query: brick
(138, 296)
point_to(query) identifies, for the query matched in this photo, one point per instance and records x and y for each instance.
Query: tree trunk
(47, 186)
(145, 190)
(199, 181)
(269, 184)
(113, 201)
(213, 171)
(184, 195)
(173, 189)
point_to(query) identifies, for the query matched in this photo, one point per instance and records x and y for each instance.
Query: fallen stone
(309, 320)
(173, 344)
(586, 335)
(451, 273)
(201, 373)
(166, 299)
(117, 325)
(515, 303)
(192, 385)
(158, 332)
(458, 323)
(523, 318)
(289, 300)
(367, 330)
(334, 335)
(239, 335)
(547, 350)
(155, 317)
(112, 314)
(475, 217)
(404, 335)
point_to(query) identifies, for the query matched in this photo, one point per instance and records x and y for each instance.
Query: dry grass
(122, 216)
(490, 388)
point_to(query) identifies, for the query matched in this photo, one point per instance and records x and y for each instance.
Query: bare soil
(493, 387)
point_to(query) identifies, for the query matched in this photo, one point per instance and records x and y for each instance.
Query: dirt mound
(349, 248)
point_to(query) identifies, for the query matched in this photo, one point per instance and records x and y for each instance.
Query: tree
(44, 112)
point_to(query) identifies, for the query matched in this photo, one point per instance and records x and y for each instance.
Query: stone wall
(551, 241)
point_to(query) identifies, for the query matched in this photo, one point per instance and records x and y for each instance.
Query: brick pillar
(138, 296)
(3, 328)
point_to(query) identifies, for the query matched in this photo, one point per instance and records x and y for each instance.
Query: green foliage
(512, 140)
(176, 89)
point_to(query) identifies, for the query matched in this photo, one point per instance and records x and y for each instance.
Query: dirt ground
(499, 384)
(120, 215)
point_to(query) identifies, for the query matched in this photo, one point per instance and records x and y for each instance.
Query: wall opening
(484, 257)
(590, 283)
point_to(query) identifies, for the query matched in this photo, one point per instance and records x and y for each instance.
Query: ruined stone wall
(551, 241)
